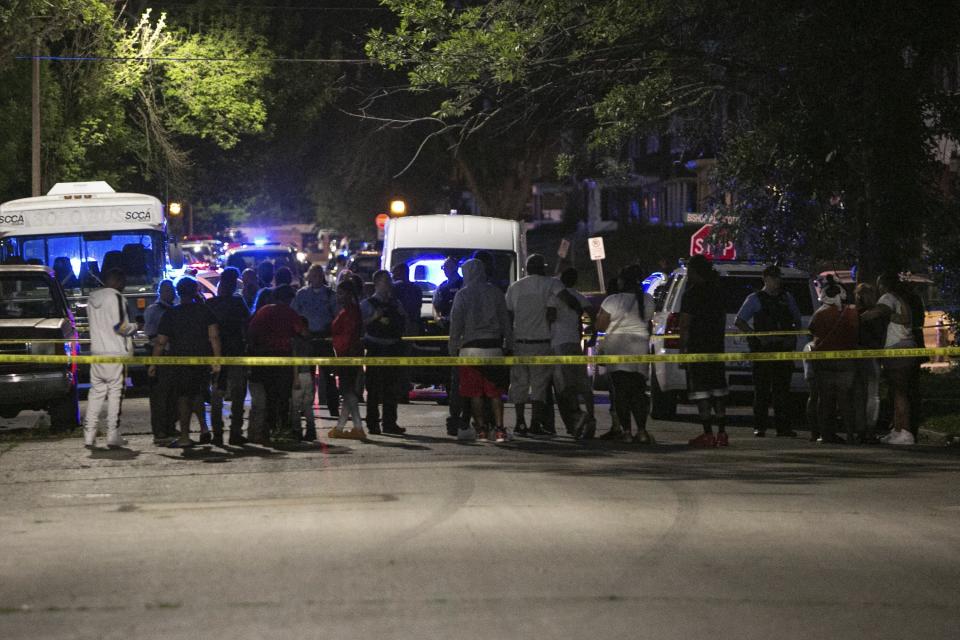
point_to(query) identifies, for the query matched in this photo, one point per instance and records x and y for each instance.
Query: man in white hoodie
(110, 331)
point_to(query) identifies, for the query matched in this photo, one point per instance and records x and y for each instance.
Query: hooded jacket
(479, 311)
(110, 326)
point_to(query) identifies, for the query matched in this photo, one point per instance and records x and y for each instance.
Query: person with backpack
(771, 309)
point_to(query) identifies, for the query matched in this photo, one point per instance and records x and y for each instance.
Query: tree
(120, 103)
(822, 114)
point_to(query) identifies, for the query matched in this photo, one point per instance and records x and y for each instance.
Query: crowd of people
(261, 313)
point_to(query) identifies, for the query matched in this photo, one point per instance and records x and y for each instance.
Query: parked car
(364, 264)
(668, 382)
(281, 255)
(33, 307)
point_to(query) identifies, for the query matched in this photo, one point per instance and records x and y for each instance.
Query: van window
(734, 290)
(428, 262)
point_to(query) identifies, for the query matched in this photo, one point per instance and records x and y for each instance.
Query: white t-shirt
(528, 299)
(628, 333)
(624, 316)
(896, 332)
(566, 329)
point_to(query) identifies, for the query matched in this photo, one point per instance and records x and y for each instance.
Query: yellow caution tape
(445, 361)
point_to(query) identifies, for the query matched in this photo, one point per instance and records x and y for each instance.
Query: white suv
(668, 382)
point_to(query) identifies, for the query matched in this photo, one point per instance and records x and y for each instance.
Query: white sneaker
(89, 437)
(466, 434)
(900, 437)
(114, 439)
(885, 438)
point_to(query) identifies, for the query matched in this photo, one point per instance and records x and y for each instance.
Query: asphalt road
(421, 537)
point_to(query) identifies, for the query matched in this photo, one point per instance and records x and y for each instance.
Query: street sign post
(700, 245)
(562, 251)
(597, 254)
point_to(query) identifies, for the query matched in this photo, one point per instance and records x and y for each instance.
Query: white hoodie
(110, 327)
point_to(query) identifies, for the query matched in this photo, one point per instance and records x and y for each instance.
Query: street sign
(597, 254)
(700, 245)
(596, 248)
(564, 248)
(696, 217)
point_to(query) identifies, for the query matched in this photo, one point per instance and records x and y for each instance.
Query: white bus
(81, 229)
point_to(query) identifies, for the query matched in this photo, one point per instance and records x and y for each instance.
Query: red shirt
(271, 330)
(833, 331)
(345, 330)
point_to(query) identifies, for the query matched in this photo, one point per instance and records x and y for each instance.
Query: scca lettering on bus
(12, 219)
(137, 215)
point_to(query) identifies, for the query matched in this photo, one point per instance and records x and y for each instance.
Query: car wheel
(65, 413)
(9, 412)
(663, 404)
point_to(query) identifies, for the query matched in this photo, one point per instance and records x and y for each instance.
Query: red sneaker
(704, 440)
(722, 439)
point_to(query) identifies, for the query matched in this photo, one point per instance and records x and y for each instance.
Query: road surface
(422, 537)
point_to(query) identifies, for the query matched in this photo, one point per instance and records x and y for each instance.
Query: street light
(398, 207)
(174, 208)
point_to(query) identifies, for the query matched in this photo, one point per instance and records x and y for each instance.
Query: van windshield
(426, 265)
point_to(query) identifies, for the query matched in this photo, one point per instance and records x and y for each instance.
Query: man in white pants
(110, 331)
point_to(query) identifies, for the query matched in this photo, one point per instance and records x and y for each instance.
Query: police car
(668, 381)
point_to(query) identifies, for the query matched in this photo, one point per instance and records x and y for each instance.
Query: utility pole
(35, 151)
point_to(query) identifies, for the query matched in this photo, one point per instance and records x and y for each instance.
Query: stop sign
(700, 245)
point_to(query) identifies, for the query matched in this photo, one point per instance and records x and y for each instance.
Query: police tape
(448, 361)
(140, 342)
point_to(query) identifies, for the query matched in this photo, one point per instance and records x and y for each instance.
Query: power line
(169, 59)
(240, 7)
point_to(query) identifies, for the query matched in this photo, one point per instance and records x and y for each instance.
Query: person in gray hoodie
(110, 331)
(480, 326)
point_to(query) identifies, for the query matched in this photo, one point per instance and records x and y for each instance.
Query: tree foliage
(822, 114)
(120, 104)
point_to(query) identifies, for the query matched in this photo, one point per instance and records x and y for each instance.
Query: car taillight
(671, 332)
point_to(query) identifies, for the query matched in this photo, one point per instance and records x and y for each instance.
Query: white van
(424, 242)
(668, 382)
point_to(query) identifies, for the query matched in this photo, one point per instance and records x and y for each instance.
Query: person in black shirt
(190, 329)
(702, 328)
(383, 322)
(163, 420)
(232, 317)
